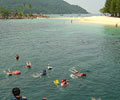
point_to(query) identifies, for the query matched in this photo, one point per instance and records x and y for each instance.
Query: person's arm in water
(73, 70)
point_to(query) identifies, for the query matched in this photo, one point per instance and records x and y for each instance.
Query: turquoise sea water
(92, 49)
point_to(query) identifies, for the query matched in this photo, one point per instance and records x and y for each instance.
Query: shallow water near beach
(92, 49)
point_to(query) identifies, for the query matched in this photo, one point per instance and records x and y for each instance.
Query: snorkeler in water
(64, 83)
(28, 64)
(17, 57)
(49, 67)
(39, 75)
(44, 73)
(9, 73)
(76, 73)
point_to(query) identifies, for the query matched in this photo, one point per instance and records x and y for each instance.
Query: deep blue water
(92, 49)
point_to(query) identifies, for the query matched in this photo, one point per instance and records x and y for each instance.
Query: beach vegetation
(16, 13)
(4, 13)
(112, 8)
(21, 13)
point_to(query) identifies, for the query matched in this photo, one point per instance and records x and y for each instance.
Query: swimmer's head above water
(16, 92)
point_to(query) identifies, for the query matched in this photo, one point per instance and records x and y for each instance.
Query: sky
(91, 6)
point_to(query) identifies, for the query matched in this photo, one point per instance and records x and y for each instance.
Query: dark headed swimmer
(16, 93)
(17, 57)
(44, 73)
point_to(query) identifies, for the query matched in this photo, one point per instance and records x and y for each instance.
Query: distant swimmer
(77, 73)
(39, 75)
(80, 74)
(116, 25)
(17, 57)
(50, 67)
(44, 73)
(16, 93)
(71, 21)
(9, 73)
(28, 64)
(64, 83)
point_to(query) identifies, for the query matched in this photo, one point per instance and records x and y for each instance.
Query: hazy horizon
(91, 6)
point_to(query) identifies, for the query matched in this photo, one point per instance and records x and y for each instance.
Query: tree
(107, 6)
(106, 9)
(103, 10)
(113, 8)
(21, 14)
(5, 13)
(118, 7)
(24, 5)
(30, 14)
(30, 6)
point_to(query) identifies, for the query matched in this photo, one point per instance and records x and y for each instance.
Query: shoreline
(102, 20)
(13, 16)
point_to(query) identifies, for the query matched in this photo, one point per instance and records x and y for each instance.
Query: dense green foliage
(4, 12)
(112, 7)
(41, 6)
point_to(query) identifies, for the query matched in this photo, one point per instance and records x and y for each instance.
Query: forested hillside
(41, 6)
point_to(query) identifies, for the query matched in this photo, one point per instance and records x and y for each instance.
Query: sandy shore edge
(103, 20)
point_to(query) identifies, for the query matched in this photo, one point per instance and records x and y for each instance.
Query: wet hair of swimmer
(16, 92)
(44, 70)
(17, 57)
(10, 74)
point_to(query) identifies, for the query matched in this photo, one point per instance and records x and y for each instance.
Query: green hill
(42, 6)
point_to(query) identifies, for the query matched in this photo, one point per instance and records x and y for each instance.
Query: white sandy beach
(104, 20)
